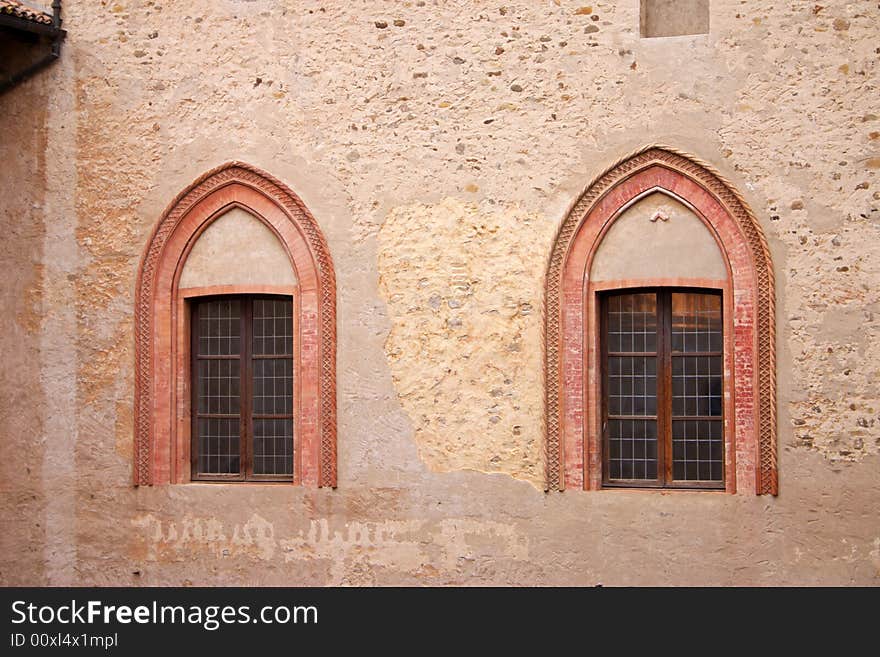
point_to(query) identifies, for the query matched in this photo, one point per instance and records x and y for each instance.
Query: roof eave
(25, 25)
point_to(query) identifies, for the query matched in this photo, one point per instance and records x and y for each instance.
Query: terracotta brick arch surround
(571, 330)
(161, 323)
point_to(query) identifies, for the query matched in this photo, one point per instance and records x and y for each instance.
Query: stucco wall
(237, 249)
(658, 237)
(439, 146)
(22, 295)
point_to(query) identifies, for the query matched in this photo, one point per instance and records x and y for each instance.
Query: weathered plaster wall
(217, 257)
(439, 145)
(658, 237)
(22, 151)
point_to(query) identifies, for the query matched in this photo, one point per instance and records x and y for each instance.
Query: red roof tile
(20, 10)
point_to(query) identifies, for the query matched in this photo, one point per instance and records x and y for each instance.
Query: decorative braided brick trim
(763, 365)
(147, 333)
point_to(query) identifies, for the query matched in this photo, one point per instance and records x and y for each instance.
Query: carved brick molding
(570, 325)
(160, 404)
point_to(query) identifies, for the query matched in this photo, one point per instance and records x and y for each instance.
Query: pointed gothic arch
(161, 409)
(571, 329)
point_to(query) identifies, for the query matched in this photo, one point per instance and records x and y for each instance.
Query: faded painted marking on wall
(171, 540)
(417, 547)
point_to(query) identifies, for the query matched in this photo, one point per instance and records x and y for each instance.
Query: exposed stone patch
(464, 288)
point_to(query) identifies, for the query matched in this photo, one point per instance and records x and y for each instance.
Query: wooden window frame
(664, 415)
(246, 414)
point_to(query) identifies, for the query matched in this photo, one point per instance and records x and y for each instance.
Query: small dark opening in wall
(660, 18)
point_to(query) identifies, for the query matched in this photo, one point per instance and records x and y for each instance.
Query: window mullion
(664, 385)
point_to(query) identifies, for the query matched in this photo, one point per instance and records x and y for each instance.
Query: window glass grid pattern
(272, 386)
(696, 322)
(663, 347)
(632, 382)
(632, 323)
(273, 328)
(633, 447)
(219, 446)
(219, 328)
(219, 387)
(697, 441)
(696, 386)
(632, 386)
(243, 389)
(273, 446)
(697, 450)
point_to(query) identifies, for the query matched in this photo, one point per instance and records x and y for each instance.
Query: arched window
(236, 338)
(660, 355)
